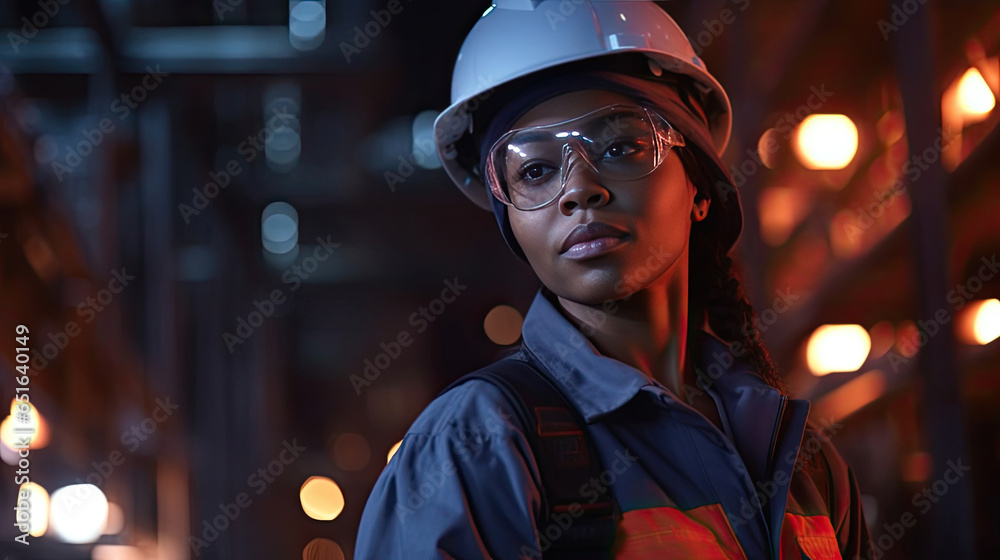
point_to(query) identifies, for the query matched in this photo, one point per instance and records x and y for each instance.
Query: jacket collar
(593, 383)
(597, 385)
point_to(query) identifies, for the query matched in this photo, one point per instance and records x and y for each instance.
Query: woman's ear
(699, 209)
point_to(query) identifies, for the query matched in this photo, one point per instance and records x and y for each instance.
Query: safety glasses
(528, 168)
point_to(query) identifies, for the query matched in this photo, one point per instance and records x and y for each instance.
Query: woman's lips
(594, 247)
(592, 239)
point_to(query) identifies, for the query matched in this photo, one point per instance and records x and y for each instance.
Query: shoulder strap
(578, 524)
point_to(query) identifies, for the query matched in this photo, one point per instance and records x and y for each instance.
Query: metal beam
(951, 516)
(226, 49)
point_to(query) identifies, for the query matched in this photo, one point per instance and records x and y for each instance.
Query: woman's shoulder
(462, 480)
(471, 425)
(473, 406)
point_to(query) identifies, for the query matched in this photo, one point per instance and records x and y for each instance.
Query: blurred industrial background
(218, 217)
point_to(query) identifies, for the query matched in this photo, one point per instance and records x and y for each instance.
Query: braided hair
(714, 286)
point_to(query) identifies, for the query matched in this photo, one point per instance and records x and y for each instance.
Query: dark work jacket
(464, 483)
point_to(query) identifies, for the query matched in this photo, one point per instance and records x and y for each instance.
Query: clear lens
(529, 166)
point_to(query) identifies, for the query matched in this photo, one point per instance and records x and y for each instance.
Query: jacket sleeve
(463, 484)
(844, 501)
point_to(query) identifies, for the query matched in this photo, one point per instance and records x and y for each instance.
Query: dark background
(65, 233)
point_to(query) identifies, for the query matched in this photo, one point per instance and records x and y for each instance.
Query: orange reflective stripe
(811, 535)
(702, 532)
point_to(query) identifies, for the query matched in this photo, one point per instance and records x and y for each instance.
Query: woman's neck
(647, 331)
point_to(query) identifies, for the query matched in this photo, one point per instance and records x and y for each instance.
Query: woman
(593, 132)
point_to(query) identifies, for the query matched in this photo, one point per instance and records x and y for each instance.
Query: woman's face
(653, 215)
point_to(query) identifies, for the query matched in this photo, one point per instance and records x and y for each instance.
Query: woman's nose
(582, 186)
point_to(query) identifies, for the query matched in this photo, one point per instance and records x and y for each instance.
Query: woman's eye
(534, 171)
(621, 149)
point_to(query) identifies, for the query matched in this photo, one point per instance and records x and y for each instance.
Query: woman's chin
(591, 291)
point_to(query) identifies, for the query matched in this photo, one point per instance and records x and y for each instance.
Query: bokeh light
(837, 348)
(351, 452)
(306, 24)
(78, 513)
(321, 498)
(826, 141)
(116, 552)
(322, 549)
(38, 508)
(781, 209)
(882, 336)
(975, 98)
(850, 397)
(116, 519)
(979, 322)
(279, 227)
(36, 428)
(503, 325)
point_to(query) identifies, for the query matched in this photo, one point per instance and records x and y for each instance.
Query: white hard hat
(514, 38)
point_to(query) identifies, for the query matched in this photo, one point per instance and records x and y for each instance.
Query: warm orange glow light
(117, 552)
(907, 339)
(322, 549)
(38, 507)
(781, 209)
(837, 348)
(503, 325)
(980, 322)
(851, 396)
(917, 466)
(883, 336)
(826, 141)
(36, 428)
(116, 520)
(974, 96)
(321, 498)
